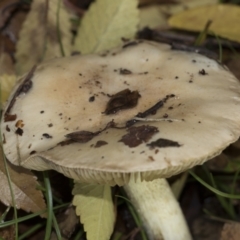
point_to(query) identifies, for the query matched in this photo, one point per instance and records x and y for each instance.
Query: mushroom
(130, 116)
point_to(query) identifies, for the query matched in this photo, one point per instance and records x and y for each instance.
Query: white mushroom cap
(77, 114)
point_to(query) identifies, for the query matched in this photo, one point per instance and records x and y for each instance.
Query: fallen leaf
(105, 24)
(6, 8)
(7, 82)
(38, 39)
(156, 16)
(231, 231)
(95, 207)
(224, 17)
(24, 185)
(7, 233)
(7, 77)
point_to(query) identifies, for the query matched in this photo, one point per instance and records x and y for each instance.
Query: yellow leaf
(225, 20)
(156, 16)
(38, 39)
(24, 184)
(95, 207)
(105, 23)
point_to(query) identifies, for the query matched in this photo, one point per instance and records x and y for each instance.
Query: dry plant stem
(159, 210)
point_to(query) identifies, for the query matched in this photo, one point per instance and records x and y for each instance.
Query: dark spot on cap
(134, 43)
(29, 146)
(74, 53)
(32, 152)
(194, 61)
(124, 99)
(100, 143)
(162, 143)
(165, 115)
(7, 128)
(9, 117)
(81, 136)
(176, 77)
(42, 112)
(19, 131)
(50, 125)
(170, 108)
(138, 135)
(124, 71)
(202, 72)
(190, 81)
(46, 135)
(151, 158)
(150, 111)
(91, 99)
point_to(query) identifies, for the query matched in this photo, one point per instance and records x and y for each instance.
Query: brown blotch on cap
(162, 143)
(138, 135)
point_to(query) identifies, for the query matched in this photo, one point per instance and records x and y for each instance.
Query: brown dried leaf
(7, 233)
(6, 7)
(38, 39)
(24, 184)
(231, 231)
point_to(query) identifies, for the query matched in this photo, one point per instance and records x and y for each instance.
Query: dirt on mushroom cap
(176, 116)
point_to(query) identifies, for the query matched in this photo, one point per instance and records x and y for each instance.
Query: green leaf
(45, 31)
(95, 207)
(105, 24)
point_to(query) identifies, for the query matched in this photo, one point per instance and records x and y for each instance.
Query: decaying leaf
(105, 24)
(7, 233)
(231, 231)
(225, 19)
(95, 207)
(39, 39)
(24, 184)
(6, 7)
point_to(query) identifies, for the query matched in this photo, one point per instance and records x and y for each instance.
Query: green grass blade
(30, 216)
(223, 194)
(31, 231)
(49, 205)
(57, 229)
(58, 29)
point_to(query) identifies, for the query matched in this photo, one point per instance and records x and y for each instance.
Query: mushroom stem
(158, 209)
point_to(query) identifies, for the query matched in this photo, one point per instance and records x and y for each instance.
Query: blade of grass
(79, 235)
(203, 34)
(31, 231)
(30, 216)
(11, 192)
(4, 214)
(134, 215)
(58, 29)
(219, 46)
(49, 205)
(57, 229)
(223, 194)
(225, 203)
